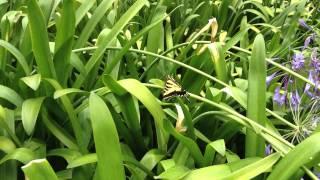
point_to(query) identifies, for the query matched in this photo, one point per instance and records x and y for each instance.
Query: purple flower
(295, 99)
(270, 78)
(308, 86)
(304, 24)
(315, 121)
(297, 61)
(278, 98)
(268, 150)
(314, 78)
(309, 40)
(315, 61)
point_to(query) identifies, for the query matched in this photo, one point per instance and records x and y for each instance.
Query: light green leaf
(176, 172)
(6, 145)
(305, 152)
(82, 160)
(32, 81)
(10, 95)
(62, 92)
(24, 155)
(210, 172)
(110, 165)
(29, 113)
(254, 169)
(39, 169)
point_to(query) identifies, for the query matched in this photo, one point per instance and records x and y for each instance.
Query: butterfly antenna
(186, 96)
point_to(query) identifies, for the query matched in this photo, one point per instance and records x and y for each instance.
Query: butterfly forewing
(172, 88)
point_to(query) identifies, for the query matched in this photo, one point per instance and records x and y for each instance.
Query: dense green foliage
(81, 83)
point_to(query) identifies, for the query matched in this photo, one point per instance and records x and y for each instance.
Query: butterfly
(172, 89)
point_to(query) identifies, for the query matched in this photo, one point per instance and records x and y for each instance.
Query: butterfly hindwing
(172, 88)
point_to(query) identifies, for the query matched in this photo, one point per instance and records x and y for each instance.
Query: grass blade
(110, 165)
(58, 131)
(64, 40)
(256, 97)
(20, 58)
(94, 20)
(10, 95)
(23, 155)
(40, 41)
(96, 57)
(254, 169)
(303, 153)
(143, 94)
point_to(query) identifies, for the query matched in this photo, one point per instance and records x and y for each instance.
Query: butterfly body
(172, 89)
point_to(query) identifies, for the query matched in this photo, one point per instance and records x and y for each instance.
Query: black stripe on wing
(172, 88)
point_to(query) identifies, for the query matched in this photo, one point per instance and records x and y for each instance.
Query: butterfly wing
(172, 88)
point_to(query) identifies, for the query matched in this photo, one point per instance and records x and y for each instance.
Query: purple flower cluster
(279, 98)
(315, 62)
(302, 62)
(295, 99)
(297, 61)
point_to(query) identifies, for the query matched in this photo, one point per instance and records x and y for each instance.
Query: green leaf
(255, 145)
(32, 81)
(176, 172)
(187, 120)
(93, 21)
(110, 165)
(129, 44)
(218, 146)
(20, 58)
(143, 94)
(305, 152)
(83, 10)
(6, 145)
(187, 142)
(64, 39)
(77, 129)
(62, 92)
(23, 155)
(11, 96)
(29, 113)
(210, 172)
(155, 40)
(39, 169)
(150, 160)
(40, 41)
(68, 154)
(255, 169)
(82, 160)
(218, 60)
(235, 39)
(237, 94)
(96, 57)
(7, 126)
(58, 131)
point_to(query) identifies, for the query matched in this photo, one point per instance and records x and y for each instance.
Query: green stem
(186, 66)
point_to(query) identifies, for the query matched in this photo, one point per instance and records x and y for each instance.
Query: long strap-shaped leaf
(305, 152)
(256, 97)
(64, 40)
(95, 58)
(138, 90)
(40, 40)
(107, 143)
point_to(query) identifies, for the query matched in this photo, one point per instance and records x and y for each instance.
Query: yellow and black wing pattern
(172, 89)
